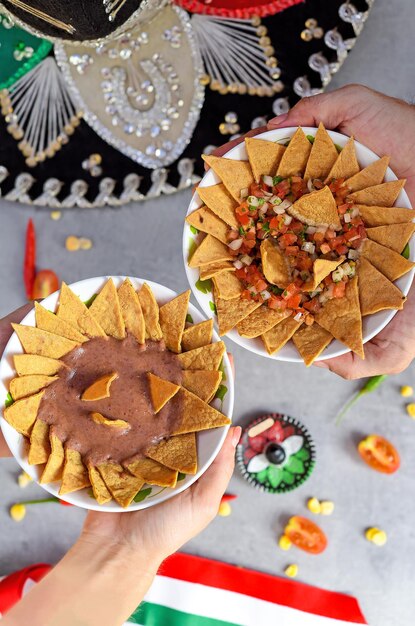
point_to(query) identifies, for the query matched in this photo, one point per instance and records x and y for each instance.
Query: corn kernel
(407, 391)
(370, 532)
(24, 479)
(291, 571)
(314, 506)
(85, 244)
(17, 512)
(284, 542)
(72, 243)
(410, 409)
(376, 536)
(224, 509)
(327, 507)
(55, 215)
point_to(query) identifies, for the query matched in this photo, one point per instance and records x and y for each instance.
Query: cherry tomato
(306, 535)
(379, 454)
(46, 282)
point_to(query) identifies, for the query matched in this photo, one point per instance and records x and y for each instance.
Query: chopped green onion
(405, 251)
(194, 230)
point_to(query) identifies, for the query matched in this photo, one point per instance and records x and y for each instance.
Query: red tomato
(294, 301)
(261, 285)
(287, 240)
(244, 220)
(306, 535)
(339, 289)
(46, 282)
(292, 250)
(379, 454)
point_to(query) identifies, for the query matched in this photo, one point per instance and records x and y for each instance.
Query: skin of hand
(105, 575)
(386, 126)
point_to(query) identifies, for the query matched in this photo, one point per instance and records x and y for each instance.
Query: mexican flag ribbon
(193, 591)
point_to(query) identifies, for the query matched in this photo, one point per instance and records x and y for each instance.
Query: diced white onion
(244, 192)
(311, 230)
(354, 238)
(310, 185)
(337, 275)
(268, 194)
(279, 210)
(298, 317)
(315, 292)
(308, 247)
(236, 244)
(347, 269)
(253, 290)
(323, 298)
(263, 209)
(321, 229)
(353, 254)
(285, 204)
(265, 295)
(268, 180)
(253, 201)
(275, 200)
(355, 212)
(238, 264)
(246, 259)
(347, 218)
(287, 220)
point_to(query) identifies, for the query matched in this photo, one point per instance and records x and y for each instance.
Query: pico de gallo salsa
(264, 212)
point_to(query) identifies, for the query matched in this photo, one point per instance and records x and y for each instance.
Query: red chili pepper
(63, 503)
(228, 496)
(29, 269)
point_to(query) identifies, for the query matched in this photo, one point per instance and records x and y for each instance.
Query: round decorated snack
(108, 385)
(298, 241)
(275, 453)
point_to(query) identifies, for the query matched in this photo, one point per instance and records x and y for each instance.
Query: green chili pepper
(371, 384)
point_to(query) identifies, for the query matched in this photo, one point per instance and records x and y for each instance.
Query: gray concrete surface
(145, 240)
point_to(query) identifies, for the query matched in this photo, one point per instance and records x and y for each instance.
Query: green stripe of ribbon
(148, 614)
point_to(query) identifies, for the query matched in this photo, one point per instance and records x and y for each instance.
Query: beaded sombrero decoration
(104, 103)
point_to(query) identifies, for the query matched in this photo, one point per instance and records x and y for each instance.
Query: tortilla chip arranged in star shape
(175, 409)
(207, 222)
(308, 234)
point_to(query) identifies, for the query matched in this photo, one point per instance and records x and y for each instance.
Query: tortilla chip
(206, 358)
(264, 156)
(27, 364)
(208, 271)
(73, 310)
(151, 313)
(393, 236)
(24, 386)
(197, 335)
(179, 453)
(197, 415)
(107, 312)
(54, 466)
(380, 216)
(275, 264)
(75, 475)
(210, 251)
(316, 208)
(294, 159)
(321, 269)
(39, 449)
(231, 312)
(310, 342)
(202, 383)
(122, 485)
(161, 391)
(100, 388)
(46, 320)
(346, 165)
(376, 292)
(42, 343)
(371, 175)
(207, 222)
(99, 488)
(260, 321)
(218, 200)
(235, 175)
(342, 318)
(98, 418)
(152, 472)
(172, 320)
(22, 413)
(392, 264)
(131, 311)
(227, 285)
(322, 157)
(384, 194)
(275, 338)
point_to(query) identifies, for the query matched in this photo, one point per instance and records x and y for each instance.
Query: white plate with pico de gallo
(202, 290)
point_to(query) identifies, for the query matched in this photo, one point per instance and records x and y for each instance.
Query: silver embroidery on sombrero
(139, 92)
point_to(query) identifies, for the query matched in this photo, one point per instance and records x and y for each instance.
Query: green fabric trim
(148, 614)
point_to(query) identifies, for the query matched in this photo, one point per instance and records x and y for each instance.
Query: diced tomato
(312, 305)
(339, 289)
(282, 188)
(306, 535)
(291, 290)
(276, 302)
(232, 235)
(291, 250)
(261, 285)
(342, 208)
(296, 227)
(328, 280)
(246, 294)
(287, 240)
(319, 237)
(275, 222)
(250, 244)
(318, 184)
(241, 273)
(330, 234)
(304, 263)
(325, 248)
(244, 220)
(257, 190)
(343, 249)
(337, 241)
(294, 301)
(46, 282)
(379, 454)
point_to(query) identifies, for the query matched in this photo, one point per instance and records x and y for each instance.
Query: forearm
(91, 586)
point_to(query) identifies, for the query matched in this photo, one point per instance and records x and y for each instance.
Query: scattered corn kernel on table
(145, 240)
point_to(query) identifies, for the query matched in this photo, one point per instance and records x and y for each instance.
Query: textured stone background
(145, 240)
